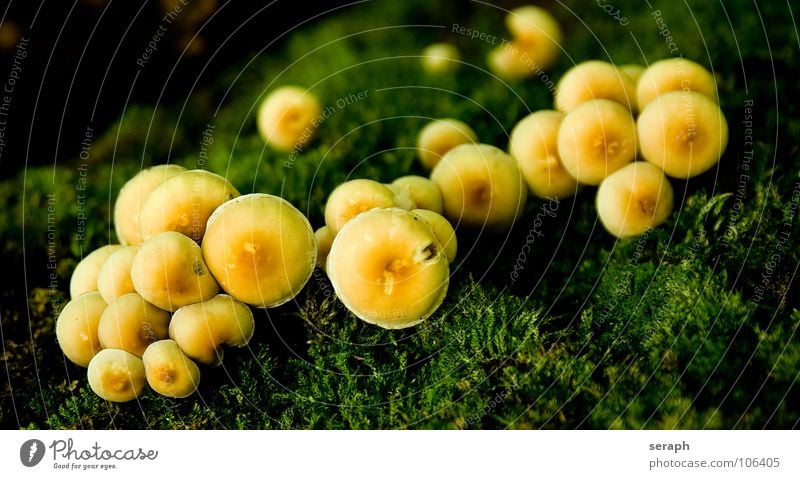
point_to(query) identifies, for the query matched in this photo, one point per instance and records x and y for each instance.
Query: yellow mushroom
(261, 249)
(481, 186)
(440, 58)
(388, 268)
(596, 139)
(634, 199)
(424, 193)
(130, 323)
(183, 204)
(84, 276)
(114, 278)
(76, 327)
(442, 230)
(169, 272)
(674, 74)
(201, 329)
(354, 197)
(534, 144)
(132, 196)
(682, 132)
(324, 240)
(288, 117)
(440, 136)
(511, 61)
(116, 375)
(169, 371)
(594, 80)
(538, 30)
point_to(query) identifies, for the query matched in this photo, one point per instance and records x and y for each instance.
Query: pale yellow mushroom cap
(287, 116)
(443, 231)
(130, 323)
(674, 74)
(183, 203)
(594, 80)
(388, 268)
(481, 186)
(114, 278)
(201, 329)
(354, 197)
(169, 371)
(116, 375)
(596, 139)
(439, 58)
(512, 61)
(84, 277)
(634, 199)
(534, 144)
(539, 31)
(169, 272)
(423, 192)
(261, 249)
(440, 136)
(683, 133)
(132, 196)
(76, 327)
(324, 239)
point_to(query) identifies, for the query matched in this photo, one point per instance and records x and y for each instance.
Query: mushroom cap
(286, 117)
(442, 230)
(422, 191)
(169, 371)
(539, 31)
(594, 80)
(324, 239)
(596, 139)
(183, 203)
(634, 199)
(512, 61)
(84, 276)
(682, 132)
(130, 323)
(131, 197)
(261, 249)
(481, 186)
(116, 375)
(534, 144)
(439, 58)
(114, 278)
(76, 327)
(201, 328)
(388, 268)
(440, 136)
(169, 272)
(354, 197)
(674, 74)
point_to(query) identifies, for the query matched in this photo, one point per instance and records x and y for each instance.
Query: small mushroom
(594, 80)
(183, 204)
(682, 132)
(201, 329)
(84, 276)
(674, 74)
(169, 371)
(76, 327)
(288, 117)
(534, 144)
(169, 272)
(261, 249)
(114, 278)
(132, 196)
(440, 58)
(324, 240)
(442, 230)
(440, 136)
(481, 186)
(538, 30)
(354, 197)
(130, 323)
(388, 268)
(596, 139)
(424, 193)
(634, 199)
(116, 375)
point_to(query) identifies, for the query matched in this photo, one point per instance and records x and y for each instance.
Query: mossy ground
(554, 324)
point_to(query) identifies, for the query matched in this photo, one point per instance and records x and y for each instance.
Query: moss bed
(554, 324)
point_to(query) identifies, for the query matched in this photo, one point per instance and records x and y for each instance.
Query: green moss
(693, 325)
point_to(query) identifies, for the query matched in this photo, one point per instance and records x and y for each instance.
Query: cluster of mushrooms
(195, 255)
